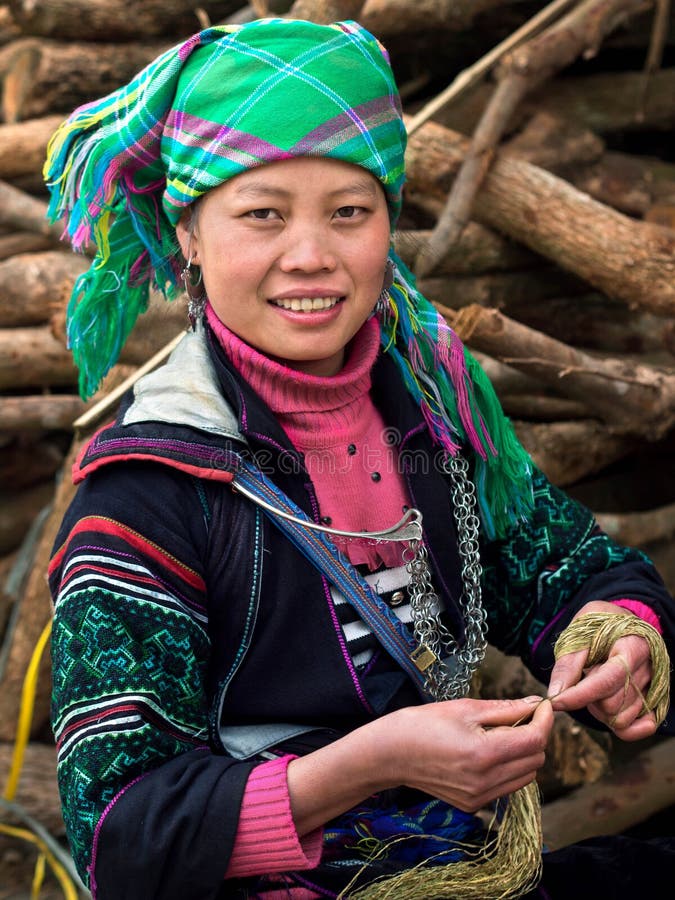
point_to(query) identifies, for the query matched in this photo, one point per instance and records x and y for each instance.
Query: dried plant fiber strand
(599, 631)
(509, 864)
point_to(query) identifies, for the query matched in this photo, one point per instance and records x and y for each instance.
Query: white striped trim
(105, 582)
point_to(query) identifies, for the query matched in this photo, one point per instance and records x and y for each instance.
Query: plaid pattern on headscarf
(121, 171)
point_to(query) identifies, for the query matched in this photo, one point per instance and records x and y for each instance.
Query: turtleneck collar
(296, 398)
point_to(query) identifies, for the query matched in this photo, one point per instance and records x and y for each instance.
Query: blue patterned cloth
(431, 831)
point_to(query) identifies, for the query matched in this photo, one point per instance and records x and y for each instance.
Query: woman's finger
(509, 712)
(567, 672)
(642, 727)
(601, 682)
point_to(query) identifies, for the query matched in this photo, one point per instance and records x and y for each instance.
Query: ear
(186, 236)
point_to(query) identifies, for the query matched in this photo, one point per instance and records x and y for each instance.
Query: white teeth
(307, 304)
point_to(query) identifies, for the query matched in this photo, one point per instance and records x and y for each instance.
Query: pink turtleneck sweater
(348, 451)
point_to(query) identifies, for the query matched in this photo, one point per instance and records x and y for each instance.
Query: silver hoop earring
(194, 288)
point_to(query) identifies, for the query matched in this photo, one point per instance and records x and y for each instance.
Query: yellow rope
(38, 877)
(26, 713)
(28, 693)
(69, 891)
(509, 865)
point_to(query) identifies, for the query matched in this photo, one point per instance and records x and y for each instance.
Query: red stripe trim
(98, 716)
(148, 719)
(77, 465)
(56, 559)
(101, 525)
(209, 474)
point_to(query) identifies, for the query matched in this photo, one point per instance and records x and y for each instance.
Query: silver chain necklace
(447, 667)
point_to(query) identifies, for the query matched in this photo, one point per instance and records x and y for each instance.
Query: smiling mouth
(307, 304)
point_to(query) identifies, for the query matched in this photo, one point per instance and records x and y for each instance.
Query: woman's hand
(466, 752)
(612, 691)
(469, 752)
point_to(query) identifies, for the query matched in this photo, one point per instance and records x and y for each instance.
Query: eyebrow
(261, 188)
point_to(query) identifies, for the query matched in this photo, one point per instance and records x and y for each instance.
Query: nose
(307, 249)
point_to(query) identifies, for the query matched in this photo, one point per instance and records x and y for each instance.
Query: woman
(250, 619)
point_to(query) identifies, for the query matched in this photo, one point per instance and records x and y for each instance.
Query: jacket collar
(196, 413)
(184, 392)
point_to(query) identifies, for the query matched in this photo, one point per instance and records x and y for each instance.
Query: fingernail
(533, 699)
(554, 688)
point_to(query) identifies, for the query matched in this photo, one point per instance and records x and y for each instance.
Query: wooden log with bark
(37, 792)
(32, 357)
(18, 510)
(323, 12)
(518, 73)
(501, 289)
(35, 605)
(387, 18)
(110, 20)
(44, 77)
(595, 322)
(158, 325)
(32, 614)
(619, 181)
(627, 259)
(9, 30)
(507, 380)
(22, 211)
(32, 285)
(41, 412)
(627, 182)
(7, 595)
(639, 529)
(555, 143)
(568, 452)
(478, 251)
(622, 798)
(602, 102)
(539, 407)
(631, 398)
(29, 459)
(23, 146)
(24, 242)
(611, 101)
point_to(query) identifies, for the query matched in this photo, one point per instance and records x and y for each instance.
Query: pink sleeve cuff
(266, 840)
(642, 611)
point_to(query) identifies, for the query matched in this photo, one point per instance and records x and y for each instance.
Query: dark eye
(264, 213)
(347, 212)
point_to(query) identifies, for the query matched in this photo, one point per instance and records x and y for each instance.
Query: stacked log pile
(539, 216)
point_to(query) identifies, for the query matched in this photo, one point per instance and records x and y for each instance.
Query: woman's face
(293, 256)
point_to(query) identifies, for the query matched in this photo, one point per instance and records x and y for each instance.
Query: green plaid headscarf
(122, 170)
